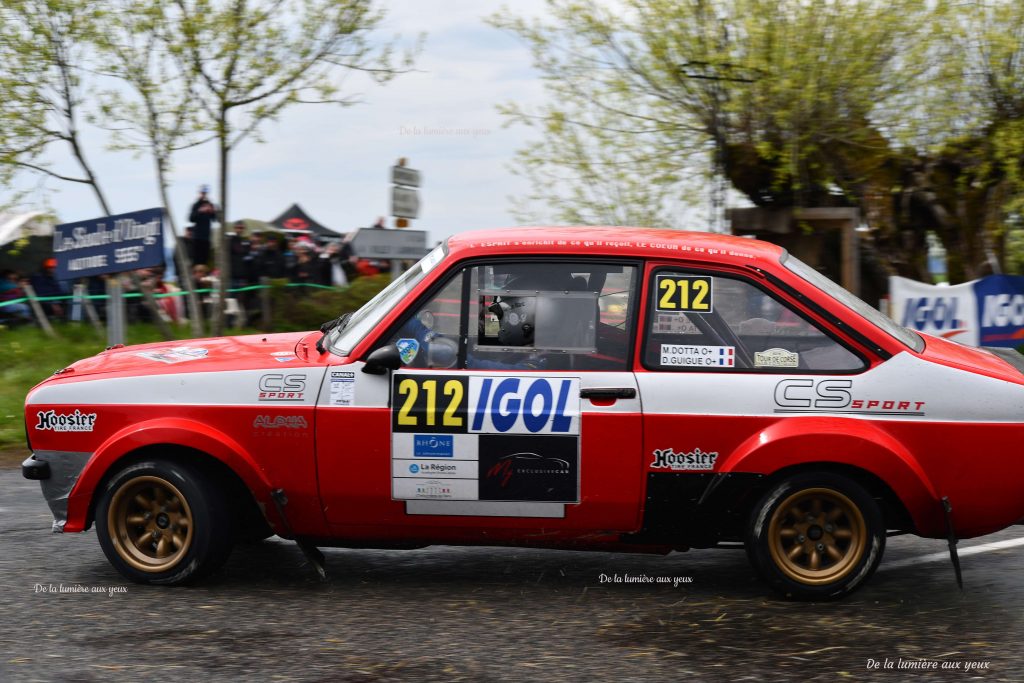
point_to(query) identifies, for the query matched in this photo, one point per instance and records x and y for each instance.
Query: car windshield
(344, 338)
(877, 318)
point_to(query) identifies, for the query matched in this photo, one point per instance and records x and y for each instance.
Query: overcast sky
(334, 162)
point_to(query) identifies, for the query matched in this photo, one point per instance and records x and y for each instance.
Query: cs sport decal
(837, 396)
(51, 420)
(694, 461)
(278, 387)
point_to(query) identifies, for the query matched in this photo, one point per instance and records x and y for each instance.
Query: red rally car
(591, 388)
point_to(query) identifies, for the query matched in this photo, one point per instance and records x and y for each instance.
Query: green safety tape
(161, 295)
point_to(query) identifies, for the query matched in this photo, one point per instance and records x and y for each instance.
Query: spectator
(10, 290)
(270, 261)
(202, 215)
(201, 276)
(256, 245)
(379, 225)
(189, 243)
(241, 256)
(307, 269)
(332, 266)
(171, 307)
(45, 284)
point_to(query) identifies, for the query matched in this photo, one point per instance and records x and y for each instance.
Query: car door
(722, 357)
(515, 406)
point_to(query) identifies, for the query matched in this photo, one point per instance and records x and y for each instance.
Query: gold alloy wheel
(150, 524)
(817, 536)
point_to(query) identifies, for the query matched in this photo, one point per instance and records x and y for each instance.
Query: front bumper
(57, 473)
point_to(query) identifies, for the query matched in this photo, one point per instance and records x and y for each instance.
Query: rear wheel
(816, 536)
(163, 522)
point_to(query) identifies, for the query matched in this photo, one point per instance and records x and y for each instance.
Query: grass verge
(27, 357)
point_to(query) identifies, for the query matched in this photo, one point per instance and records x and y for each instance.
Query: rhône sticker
(694, 461)
(407, 350)
(685, 355)
(776, 358)
(496, 439)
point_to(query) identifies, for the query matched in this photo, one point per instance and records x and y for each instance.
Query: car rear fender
(845, 441)
(169, 432)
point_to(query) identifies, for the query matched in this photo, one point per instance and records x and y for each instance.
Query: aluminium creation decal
(498, 438)
(984, 312)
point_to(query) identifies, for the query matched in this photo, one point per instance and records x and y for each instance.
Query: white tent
(15, 226)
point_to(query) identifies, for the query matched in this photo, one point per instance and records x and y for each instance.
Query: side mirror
(383, 359)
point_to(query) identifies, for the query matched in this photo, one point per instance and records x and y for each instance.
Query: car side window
(551, 315)
(526, 315)
(429, 338)
(700, 321)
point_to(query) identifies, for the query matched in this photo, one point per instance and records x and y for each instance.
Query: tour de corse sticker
(776, 358)
(684, 294)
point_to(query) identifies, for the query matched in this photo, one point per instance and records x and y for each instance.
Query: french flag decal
(726, 357)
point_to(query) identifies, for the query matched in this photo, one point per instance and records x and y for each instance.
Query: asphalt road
(484, 614)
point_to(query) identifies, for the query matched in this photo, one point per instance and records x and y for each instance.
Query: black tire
(170, 501)
(815, 536)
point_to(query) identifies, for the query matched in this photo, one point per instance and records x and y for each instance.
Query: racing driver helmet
(517, 311)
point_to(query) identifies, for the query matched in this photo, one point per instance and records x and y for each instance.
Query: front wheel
(816, 536)
(163, 522)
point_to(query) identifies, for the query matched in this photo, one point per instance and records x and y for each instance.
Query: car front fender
(171, 432)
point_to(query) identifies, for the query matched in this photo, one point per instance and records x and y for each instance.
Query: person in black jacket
(202, 216)
(269, 262)
(241, 256)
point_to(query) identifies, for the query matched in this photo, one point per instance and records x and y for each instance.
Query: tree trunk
(147, 294)
(224, 241)
(195, 311)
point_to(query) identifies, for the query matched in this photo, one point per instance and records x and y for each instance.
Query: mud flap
(312, 553)
(947, 508)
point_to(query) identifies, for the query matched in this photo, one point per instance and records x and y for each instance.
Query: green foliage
(911, 111)
(27, 357)
(44, 46)
(642, 92)
(302, 308)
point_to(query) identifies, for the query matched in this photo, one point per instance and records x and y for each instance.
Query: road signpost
(405, 196)
(393, 245)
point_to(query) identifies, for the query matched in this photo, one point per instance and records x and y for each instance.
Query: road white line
(962, 552)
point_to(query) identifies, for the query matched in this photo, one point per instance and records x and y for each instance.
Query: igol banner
(985, 312)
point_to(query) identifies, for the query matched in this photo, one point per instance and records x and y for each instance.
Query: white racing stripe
(962, 552)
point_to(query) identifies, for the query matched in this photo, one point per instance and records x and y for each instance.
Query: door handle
(608, 392)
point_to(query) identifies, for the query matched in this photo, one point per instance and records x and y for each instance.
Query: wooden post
(265, 323)
(115, 312)
(91, 314)
(37, 309)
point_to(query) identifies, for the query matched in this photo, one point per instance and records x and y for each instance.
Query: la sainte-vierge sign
(112, 244)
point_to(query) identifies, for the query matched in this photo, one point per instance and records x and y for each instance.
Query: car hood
(196, 355)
